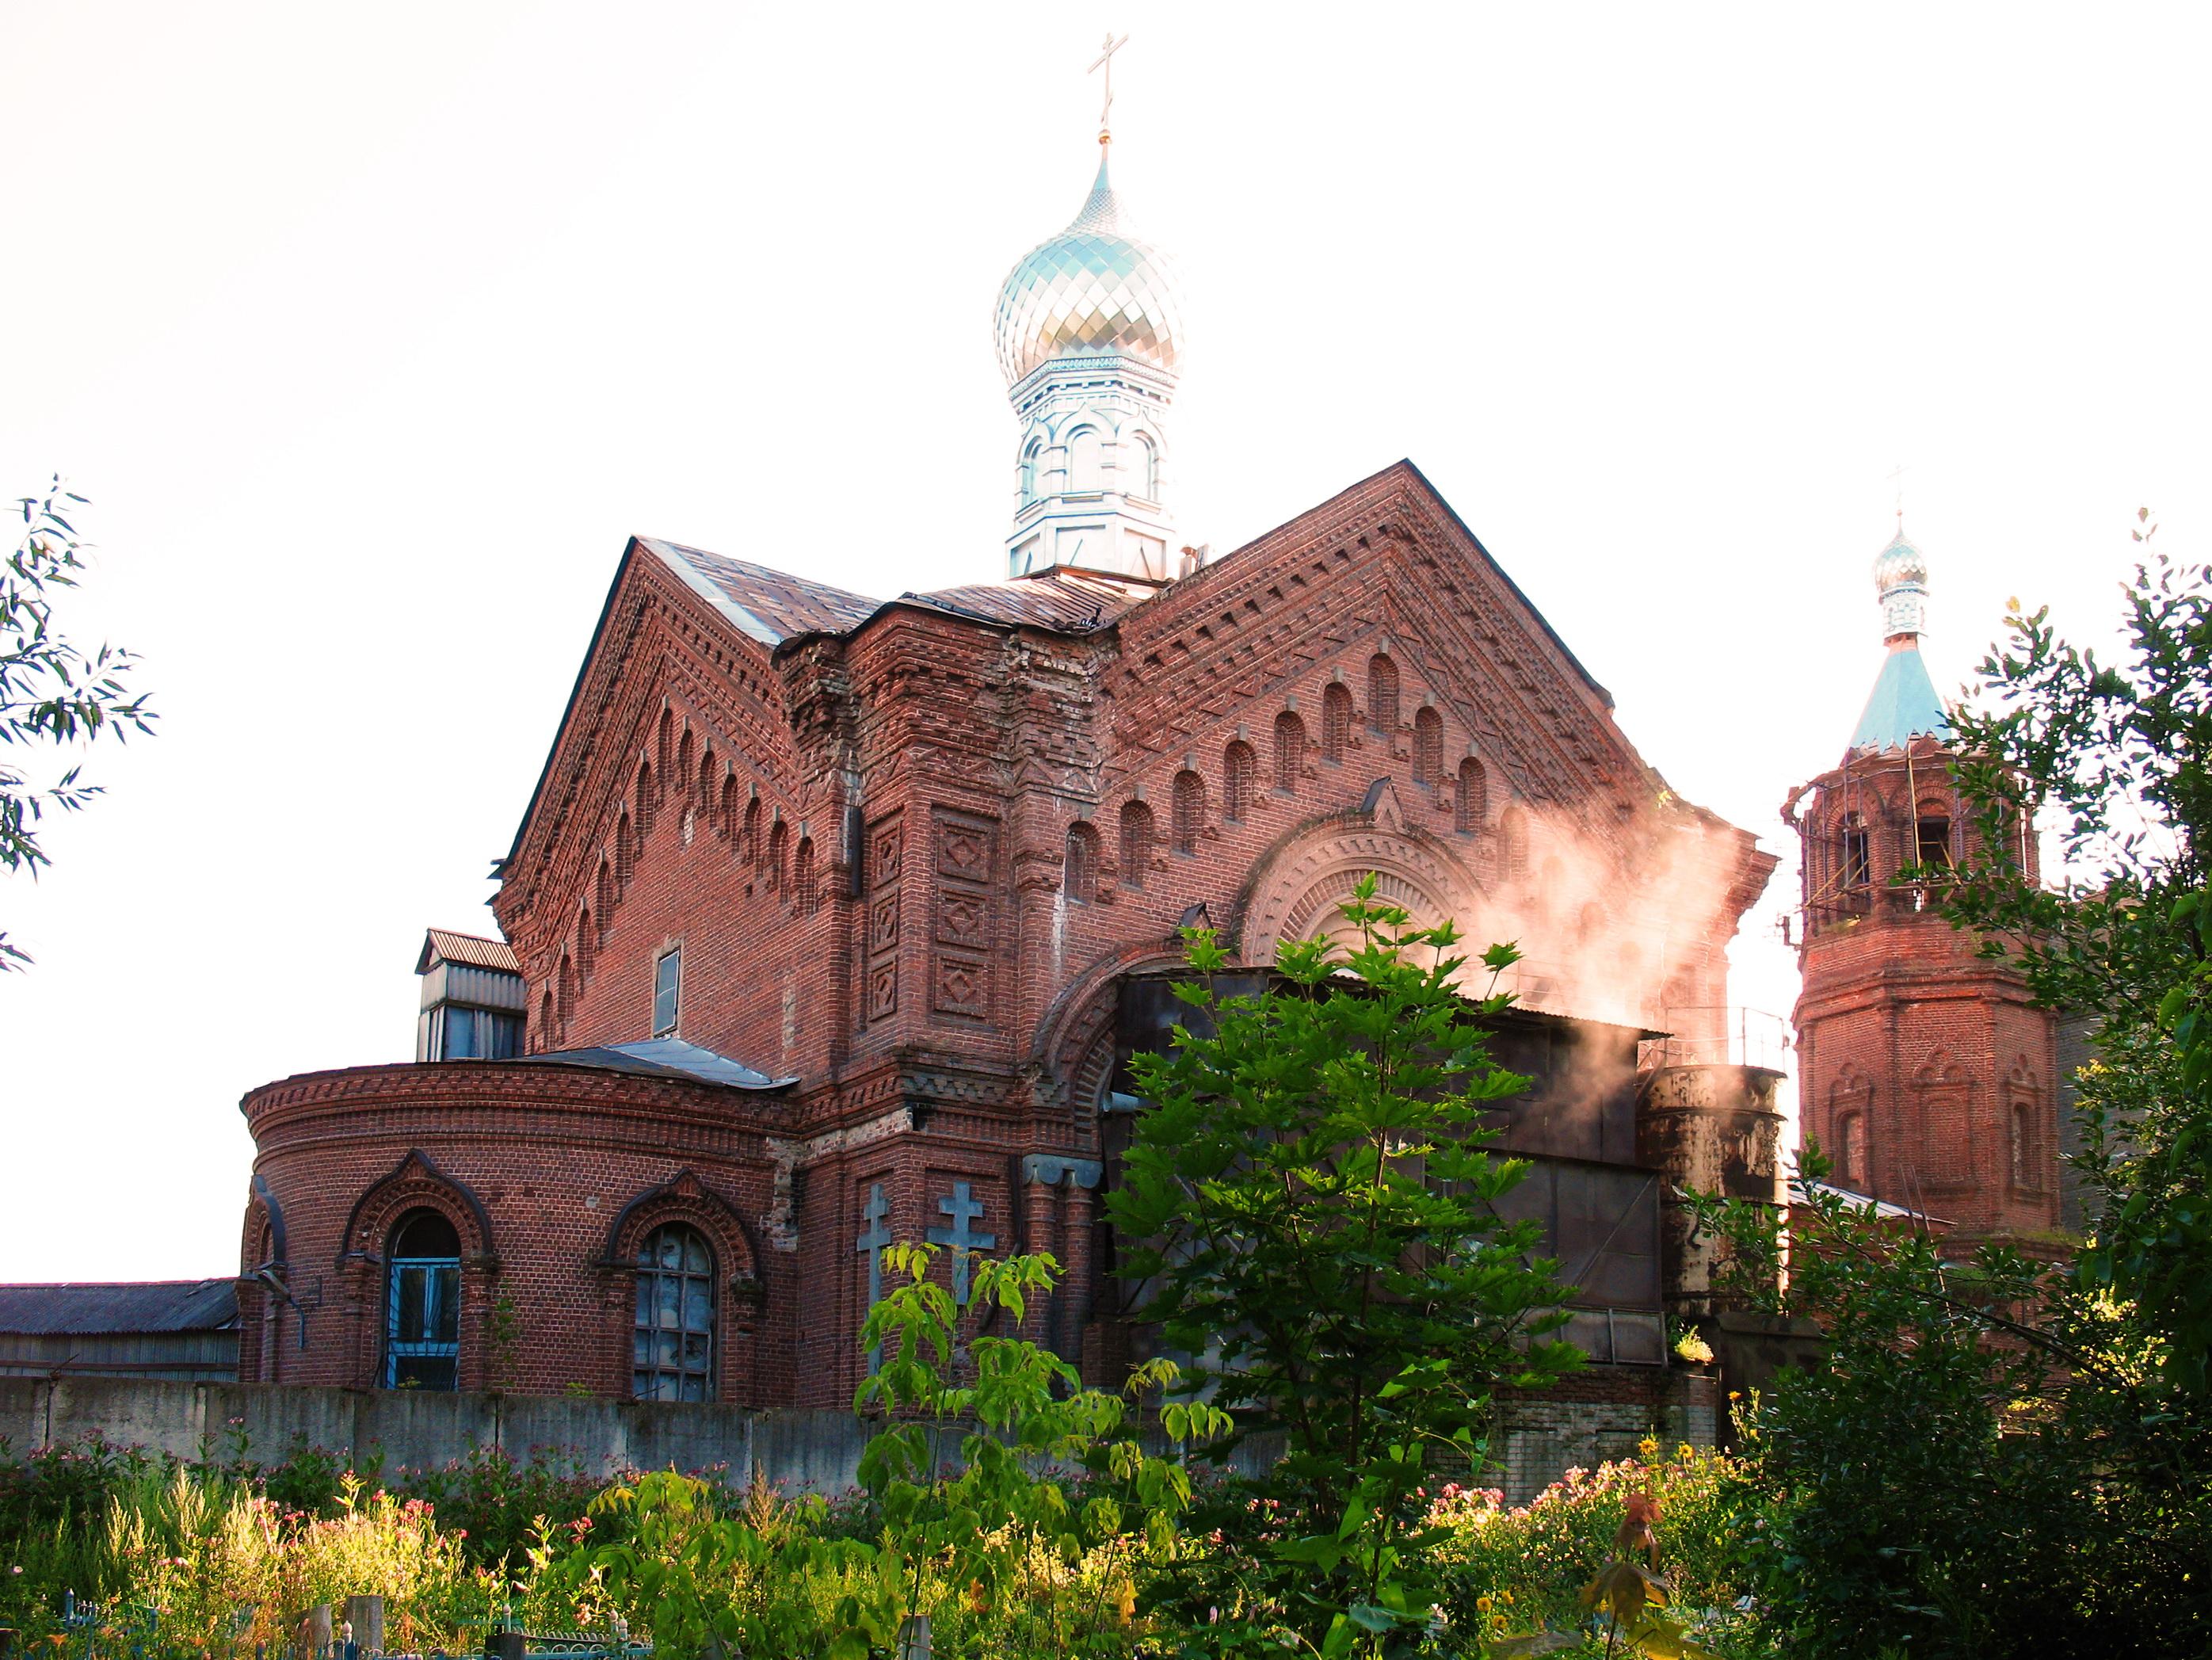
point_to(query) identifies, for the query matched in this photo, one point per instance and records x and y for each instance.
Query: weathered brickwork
(908, 854)
(1925, 1072)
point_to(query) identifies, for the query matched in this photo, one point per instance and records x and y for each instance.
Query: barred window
(423, 1305)
(672, 1349)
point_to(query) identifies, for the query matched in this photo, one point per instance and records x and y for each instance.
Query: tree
(51, 690)
(2122, 755)
(1312, 1198)
(2000, 1456)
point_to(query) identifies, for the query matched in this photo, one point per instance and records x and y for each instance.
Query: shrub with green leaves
(1310, 1197)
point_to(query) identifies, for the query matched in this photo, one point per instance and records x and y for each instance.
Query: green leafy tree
(2003, 1455)
(1311, 1199)
(1005, 1525)
(51, 691)
(2121, 755)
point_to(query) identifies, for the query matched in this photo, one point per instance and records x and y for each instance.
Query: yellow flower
(1647, 1447)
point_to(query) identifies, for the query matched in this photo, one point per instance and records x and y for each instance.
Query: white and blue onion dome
(1899, 564)
(1093, 290)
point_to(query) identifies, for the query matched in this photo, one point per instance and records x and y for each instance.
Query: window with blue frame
(423, 1305)
(673, 1343)
(463, 1033)
(667, 982)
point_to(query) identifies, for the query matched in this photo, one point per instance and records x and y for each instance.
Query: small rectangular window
(667, 978)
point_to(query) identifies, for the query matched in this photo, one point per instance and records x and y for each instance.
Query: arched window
(1335, 722)
(1141, 473)
(749, 847)
(645, 799)
(545, 1021)
(1290, 750)
(1383, 695)
(1240, 779)
(683, 756)
(423, 1304)
(1189, 811)
(672, 1349)
(1512, 844)
(1471, 805)
(1854, 866)
(1850, 1147)
(779, 858)
(1079, 871)
(1589, 924)
(1026, 470)
(707, 797)
(803, 884)
(1429, 747)
(2023, 1146)
(1086, 460)
(1136, 843)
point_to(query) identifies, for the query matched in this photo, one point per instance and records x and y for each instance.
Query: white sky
(373, 331)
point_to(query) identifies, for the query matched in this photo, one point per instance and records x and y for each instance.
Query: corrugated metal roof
(661, 1057)
(478, 952)
(87, 1308)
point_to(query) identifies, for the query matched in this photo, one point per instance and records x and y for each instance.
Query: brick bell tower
(1924, 1072)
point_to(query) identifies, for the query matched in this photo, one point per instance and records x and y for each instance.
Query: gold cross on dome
(1106, 61)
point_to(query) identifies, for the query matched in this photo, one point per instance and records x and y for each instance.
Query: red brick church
(835, 919)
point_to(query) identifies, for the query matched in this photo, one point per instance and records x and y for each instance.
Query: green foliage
(51, 691)
(1310, 1200)
(1004, 1525)
(2122, 756)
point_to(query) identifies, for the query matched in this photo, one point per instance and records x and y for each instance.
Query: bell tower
(1925, 1072)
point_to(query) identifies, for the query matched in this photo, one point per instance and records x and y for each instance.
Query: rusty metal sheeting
(660, 1057)
(472, 949)
(775, 606)
(130, 1305)
(1061, 600)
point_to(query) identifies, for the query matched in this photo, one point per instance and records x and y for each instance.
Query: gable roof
(445, 946)
(775, 608)
(84, 1308)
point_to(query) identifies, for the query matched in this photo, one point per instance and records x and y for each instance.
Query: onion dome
(1899, 563)
(1093, 290)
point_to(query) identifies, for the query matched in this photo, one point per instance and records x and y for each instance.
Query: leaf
(1538, 1642)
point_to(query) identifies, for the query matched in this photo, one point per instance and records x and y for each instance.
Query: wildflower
(1482, 1604)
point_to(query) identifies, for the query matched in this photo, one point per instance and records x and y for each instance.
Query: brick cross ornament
(963, 1208)
(872, 1242)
